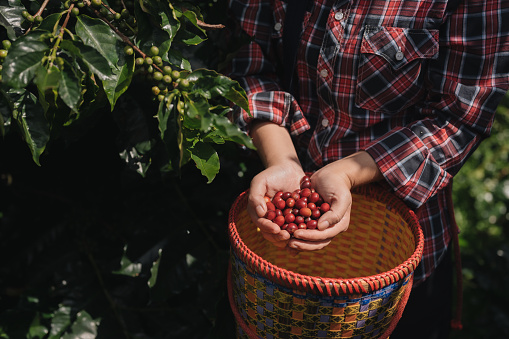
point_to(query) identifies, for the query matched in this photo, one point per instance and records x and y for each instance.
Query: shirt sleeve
(465, 84)
(255, 67)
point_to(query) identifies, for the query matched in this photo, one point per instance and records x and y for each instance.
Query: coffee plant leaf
(99, 36)
(170, 129)
(169, 21)
(119, 80)
(47, 79)
(36, 329)
(83, 327)
(5, 112)
(34, 128)
(154, 269)
(127, 267)
(198, 109)
(214, 85)
(51, 22)
(206, 159)
(94, 60)
(24, 58)
(60, 322)
(70, 89)
(176, 58)
(10, 18)
(231, 132)
(151, 35)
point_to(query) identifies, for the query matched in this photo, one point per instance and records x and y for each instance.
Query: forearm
(274, 144)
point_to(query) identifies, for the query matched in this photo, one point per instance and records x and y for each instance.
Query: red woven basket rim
(334, 286)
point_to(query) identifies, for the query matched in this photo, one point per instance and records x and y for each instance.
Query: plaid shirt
(411, 82)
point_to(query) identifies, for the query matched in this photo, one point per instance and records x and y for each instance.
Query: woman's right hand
(283, 177)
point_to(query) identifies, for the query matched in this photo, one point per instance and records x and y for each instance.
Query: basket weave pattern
(350, 289)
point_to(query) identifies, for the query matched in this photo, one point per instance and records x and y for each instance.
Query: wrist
(357, 169)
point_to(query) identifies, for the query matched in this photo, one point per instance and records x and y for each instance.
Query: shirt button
(339, 16)
(399, 56)
(324, 73)
(325, 122)
(278, 26)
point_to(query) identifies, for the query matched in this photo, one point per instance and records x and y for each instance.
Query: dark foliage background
(67, 226)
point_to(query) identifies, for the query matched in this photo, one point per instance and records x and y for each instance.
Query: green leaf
(154, 270)
(169, 21)
(47, 79)
(34, 127)
(83, 327)
(98, 35)
(151, 35)
(6, 106)
(206, 159)
(61, 320)
(213, 84)
(23, 60)
(127, 267)
(119, 81)
(193, 18)
(176, 58)
(199, 109)
(231, 131)
(50, 23)
(70, 88)
(90, 56)
(37, 330)
(167, 116)
(10, 18)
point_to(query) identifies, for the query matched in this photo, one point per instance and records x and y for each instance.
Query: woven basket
(356, 287)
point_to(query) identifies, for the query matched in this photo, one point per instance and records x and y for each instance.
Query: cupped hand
(282, 177)
(334, 187)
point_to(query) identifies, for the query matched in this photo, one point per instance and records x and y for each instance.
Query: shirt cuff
(277, 106)
(408, 166)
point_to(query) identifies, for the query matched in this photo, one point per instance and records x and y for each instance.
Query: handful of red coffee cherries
(295, 210)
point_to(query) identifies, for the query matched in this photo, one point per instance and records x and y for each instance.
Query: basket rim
(326, 285)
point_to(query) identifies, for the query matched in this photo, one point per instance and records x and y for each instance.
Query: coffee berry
(295, 210)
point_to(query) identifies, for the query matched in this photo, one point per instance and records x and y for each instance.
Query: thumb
(337, 211)
(257, 199)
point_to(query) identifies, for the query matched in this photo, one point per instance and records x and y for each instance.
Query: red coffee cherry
(289, 218)
(271, 215)
(312, 224)
(306, 192)
(286, 195)
(270, 206)
(290, 202)
(305, 212)
(279, 220)
(296, 195)
(292, 227)
(314, 197)
(301, 203)
(287, 211)
(302, 226)
(267, 198)
(312, 206)
(280, 204)
(316, 214)
(324, 207)
(305, 184)
(299, 219)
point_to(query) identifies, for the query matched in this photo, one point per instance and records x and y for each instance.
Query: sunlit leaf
(24, 58)
(60, 322)
(84, 327)
(127, 267)
(206, 160)
(99, 36)
(119, 80)
(154, 270)
(10, 18)
(34, 127)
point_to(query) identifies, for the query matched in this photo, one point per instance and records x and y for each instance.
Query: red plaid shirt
(411, 82)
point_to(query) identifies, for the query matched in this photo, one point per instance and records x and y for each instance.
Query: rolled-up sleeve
(255, 65)
(464, 86)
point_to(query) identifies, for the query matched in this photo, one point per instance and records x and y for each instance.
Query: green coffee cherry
(167, 70)
(158, 76)
(3, 53)
(156, 90)
(158, 60)
(139, 61)
(6, 44)
(154, 50)
(128, 50)
(149, 61)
